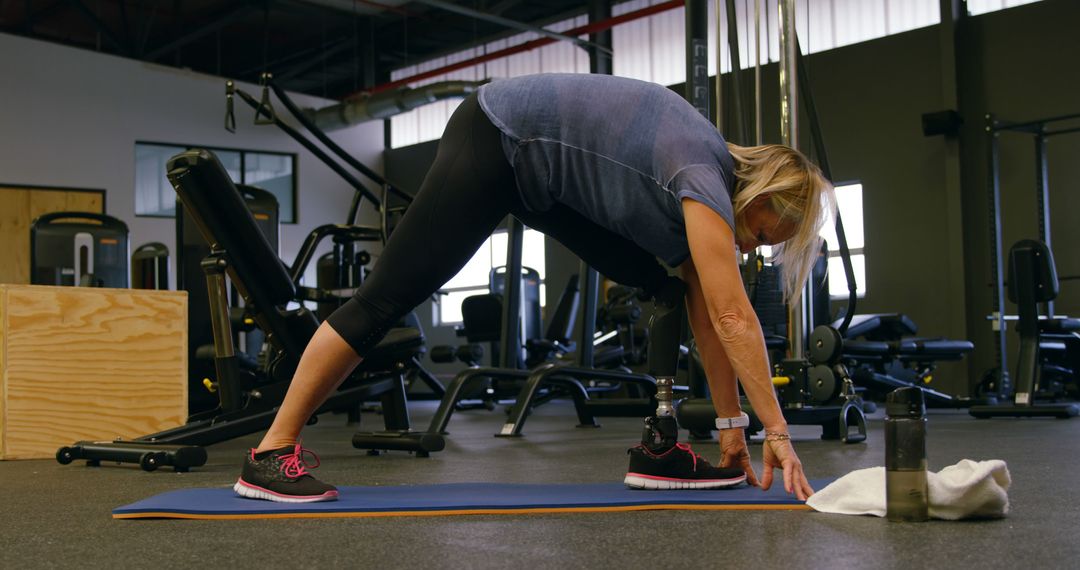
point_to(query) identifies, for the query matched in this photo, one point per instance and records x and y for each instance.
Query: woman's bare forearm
(732, 347)
(739, 333)
(723, 385)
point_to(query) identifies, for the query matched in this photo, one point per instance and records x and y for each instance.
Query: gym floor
(60, 516)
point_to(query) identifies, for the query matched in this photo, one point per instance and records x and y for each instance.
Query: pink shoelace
(295, 465)
(682, 446)
(686, 447)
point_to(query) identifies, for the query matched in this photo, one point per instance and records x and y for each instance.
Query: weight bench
(249, 399)
(886, 358)
(908, 350)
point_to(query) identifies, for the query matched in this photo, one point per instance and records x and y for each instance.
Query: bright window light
(849, 200)
(473, 277)
(976, 7)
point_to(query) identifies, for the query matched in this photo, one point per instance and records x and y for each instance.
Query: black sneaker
(677, 468)
(281, 475)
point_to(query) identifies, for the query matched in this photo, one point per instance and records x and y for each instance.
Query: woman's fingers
(751, 477)
(789, 475)
(766, 477)
(807, 490)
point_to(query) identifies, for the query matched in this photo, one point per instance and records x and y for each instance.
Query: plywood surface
(81, 363)
(18, 208)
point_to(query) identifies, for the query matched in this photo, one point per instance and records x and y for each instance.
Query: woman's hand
(779, 453)
(734, 453)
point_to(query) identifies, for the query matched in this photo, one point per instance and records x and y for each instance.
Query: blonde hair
(796, 190)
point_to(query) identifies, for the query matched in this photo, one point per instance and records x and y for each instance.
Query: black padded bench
(884, 339)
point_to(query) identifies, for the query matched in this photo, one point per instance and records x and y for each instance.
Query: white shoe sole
(638, 481)
(249, 491)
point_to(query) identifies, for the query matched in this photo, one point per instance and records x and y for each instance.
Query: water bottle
(906, 493)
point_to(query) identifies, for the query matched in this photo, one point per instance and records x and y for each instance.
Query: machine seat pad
(936, 348)
(1059, 325)
(880, 326)
(866, 349)
(773, 342)
(399, 345)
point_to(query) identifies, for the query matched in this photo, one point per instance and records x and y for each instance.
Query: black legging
(469, 190)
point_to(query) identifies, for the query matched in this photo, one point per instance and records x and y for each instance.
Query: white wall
(70, 118)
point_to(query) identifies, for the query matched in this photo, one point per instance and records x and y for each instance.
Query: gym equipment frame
(1041, 130)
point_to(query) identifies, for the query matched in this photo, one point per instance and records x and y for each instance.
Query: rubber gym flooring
(57, 516)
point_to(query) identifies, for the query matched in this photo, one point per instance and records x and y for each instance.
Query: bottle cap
(905, 402)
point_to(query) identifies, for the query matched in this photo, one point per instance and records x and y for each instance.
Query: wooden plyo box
(80, 363)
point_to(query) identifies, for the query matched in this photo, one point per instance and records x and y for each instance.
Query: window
(849, 201)
(653, 48)
(976, 7)
(274, 172)
(153, 194)
(473, 278)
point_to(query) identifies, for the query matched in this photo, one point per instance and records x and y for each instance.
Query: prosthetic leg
(661, 462)
(661, 431)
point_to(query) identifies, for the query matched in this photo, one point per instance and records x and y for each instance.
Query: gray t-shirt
(622, 152)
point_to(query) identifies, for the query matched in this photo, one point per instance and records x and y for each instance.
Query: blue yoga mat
(459, 499)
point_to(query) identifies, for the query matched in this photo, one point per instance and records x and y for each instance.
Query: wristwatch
(741, 421)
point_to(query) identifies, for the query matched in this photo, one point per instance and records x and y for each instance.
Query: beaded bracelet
(777, 436)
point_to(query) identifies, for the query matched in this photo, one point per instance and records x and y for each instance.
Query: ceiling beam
(359, 7)
(101, 27)
(495, 19)
(33, 16)
(143, 26)
(499, 7)
(222, 20)
(126, 25)
(323, 55)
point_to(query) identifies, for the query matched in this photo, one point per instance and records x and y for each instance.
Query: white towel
(969, 489)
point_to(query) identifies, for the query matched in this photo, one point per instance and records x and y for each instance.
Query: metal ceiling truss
(349, 52)
(222, 20)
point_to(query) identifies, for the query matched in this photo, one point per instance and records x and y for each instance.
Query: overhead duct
(365, 108)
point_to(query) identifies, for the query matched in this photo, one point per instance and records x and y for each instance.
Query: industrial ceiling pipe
(388, 103)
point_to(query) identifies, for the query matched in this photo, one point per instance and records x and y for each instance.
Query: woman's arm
(718, 370)
(732, 321)
(723, 384)
(727, 316)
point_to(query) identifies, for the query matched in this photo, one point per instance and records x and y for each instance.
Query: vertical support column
(697, 55)
(230, 393)
(739, 125)
(798, 317)
(511, 317)
(758, 131)
(590, 292)
(719, 69)
(599, 61)
(997, 272)
(1042, 197)
(953, 281)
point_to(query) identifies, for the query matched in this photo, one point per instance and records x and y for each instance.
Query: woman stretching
(621, 172)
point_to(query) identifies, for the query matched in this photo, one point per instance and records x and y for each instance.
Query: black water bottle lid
(905, 402)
